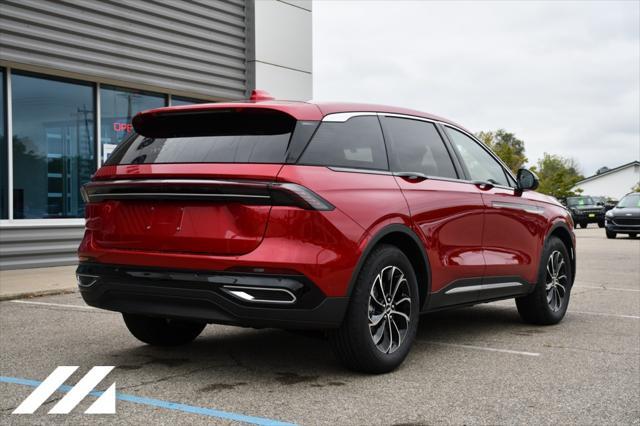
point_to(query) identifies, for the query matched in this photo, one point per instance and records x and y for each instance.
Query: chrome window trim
(341, 117)
(409, 117)
(356, 170)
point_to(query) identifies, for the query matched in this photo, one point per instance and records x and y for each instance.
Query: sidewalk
(22, 283)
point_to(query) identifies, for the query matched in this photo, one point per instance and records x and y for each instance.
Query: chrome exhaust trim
(86, 280)
(282, 296)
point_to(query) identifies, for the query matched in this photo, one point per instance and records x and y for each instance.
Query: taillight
(298, 195)
(246, 192)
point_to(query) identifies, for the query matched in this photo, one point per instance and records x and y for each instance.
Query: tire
(543, 306)
(353, 343)
(600, 224)
(633, 235)
(610, 234)
(162, 331)
(583, 225)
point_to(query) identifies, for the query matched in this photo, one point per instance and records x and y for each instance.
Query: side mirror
(527, 180)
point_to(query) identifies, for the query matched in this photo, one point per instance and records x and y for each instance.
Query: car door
(447, 211)
(513, 222)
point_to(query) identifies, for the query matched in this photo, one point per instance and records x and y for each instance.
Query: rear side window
(355, 143)
(219, 136)
(480, 164)
(416, 146)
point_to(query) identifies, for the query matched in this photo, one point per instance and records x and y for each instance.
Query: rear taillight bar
(245, 192)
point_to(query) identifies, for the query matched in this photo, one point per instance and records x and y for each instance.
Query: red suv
(349, 218)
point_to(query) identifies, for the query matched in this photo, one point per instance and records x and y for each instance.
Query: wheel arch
(410, 244)
(562, 231)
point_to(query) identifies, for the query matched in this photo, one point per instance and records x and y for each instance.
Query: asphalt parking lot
(477, 365)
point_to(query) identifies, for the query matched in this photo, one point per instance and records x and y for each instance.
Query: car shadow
(224, 357)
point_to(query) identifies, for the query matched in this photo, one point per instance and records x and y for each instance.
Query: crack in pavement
(173, 376)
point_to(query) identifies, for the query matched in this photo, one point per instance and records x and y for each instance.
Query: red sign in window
(122, 127)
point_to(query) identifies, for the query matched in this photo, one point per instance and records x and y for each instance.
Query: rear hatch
(195, 181)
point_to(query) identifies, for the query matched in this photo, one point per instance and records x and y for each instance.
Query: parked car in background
(625, 217)
(585, 210)
(349, 218)
(607, 202)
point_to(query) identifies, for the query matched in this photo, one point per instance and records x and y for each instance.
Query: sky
(563, 76)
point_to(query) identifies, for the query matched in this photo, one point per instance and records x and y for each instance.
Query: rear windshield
(219, 136)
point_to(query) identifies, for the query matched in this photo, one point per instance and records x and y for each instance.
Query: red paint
(463, 234)
(260, 95)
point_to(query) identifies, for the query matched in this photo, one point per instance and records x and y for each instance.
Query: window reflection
(53, 148)
(117, 108)
(4, 170)
(177, 101)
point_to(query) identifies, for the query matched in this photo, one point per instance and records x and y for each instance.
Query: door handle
(412, 176)
(483, 185)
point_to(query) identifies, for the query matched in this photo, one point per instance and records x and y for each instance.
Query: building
(75, 73)
(614, 183)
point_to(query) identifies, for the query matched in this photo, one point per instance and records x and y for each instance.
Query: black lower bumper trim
(586, 219)
(199, 296)
(622, 229)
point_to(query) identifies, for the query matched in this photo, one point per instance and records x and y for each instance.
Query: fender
(559, 223)
(389, 229)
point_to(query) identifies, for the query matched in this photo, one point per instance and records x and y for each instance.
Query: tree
(636, 188)
(507, 146)
(558, 175)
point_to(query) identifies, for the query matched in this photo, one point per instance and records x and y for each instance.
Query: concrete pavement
(477, 365)
(21, 283)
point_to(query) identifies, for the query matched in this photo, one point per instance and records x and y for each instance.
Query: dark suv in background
(625, 217)
(585, 210)
(349, 218)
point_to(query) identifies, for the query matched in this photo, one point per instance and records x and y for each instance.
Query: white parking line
(60, 305)
(482, 348)
(607, 288)
(602, 314)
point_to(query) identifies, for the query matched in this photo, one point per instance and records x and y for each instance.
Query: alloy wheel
(389, 309)
(556, 280)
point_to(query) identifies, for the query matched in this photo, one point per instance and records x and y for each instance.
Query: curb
(32, 294)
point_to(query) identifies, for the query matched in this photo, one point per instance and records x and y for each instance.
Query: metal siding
(39, 246)
(196, 47)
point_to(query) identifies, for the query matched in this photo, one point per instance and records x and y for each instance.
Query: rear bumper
(206, 296)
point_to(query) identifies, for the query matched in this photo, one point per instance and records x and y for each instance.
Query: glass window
(417, 147)
(480, 164)
(117, 108)
(356, 143)
(580, 201)
(53, 146)
(222, 136)
(177, 101)
(629, 201)
(4, 164)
